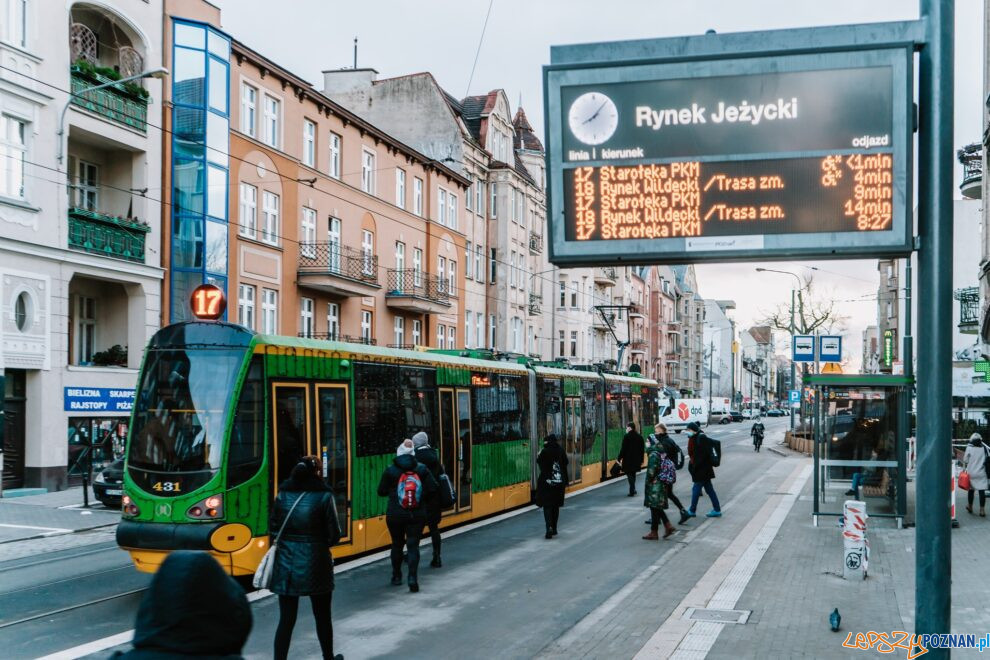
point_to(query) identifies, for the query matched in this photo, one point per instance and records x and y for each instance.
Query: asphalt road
(503, 586)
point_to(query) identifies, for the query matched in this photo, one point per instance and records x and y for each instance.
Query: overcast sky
(399, 37)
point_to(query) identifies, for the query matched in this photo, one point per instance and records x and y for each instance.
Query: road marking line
(51, 530)
(723, 584)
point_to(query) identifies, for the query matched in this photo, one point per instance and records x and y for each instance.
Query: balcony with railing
(337, 269)
(605, 276)
(969, 309)
(535, 242)
(637, 311)
(107, 235)
(637, 345)
(971, 157)
(334, 336)
(535, 304)
(416, 291)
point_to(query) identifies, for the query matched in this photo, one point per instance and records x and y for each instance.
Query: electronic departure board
(730, 159)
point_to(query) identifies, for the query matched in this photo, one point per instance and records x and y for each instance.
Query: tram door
(455, 442)
(331, 427)
(572, 439)
(291, 428)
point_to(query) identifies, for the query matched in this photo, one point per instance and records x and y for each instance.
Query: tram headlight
(207, 509)
(128, 507)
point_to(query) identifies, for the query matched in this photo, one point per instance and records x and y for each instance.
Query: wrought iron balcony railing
(416, 283)
(535, 303)
(339, 260)
(333, 336)
(535, 242)
(969, 308)
(107, 235)
(115, 103)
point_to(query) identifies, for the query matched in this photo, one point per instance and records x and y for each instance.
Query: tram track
(69, 608)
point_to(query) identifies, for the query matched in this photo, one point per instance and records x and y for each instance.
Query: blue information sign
(830, 348)
(803, 348)
(795, 396)
(98, 399)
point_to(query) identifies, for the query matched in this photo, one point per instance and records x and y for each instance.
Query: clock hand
(596, 112)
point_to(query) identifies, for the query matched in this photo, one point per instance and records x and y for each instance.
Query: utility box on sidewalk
(855, 547)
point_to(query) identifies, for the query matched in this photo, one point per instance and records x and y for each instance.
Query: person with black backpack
(436, 502)
(408, 485)
(676, 456)
(704, 455)
(551, 482)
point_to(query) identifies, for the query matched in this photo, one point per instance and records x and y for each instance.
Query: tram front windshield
(176, 441)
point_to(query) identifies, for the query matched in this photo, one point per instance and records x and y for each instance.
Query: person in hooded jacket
(676, 456)
(700, 449)
(405, 526)
(303, 563)
(426, 455)
(975, 462)
(659, 467)
(631, 455)
(551, 482)
(191, 609)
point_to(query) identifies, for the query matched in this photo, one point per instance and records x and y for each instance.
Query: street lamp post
(793, 376)
(160, 72)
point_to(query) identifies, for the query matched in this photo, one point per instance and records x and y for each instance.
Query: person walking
(306, 512)
(191, 609)
(406, 517)
(975, 462)
(757, 432)
(701, 449)
(660, 471)
(551, 482)
(676, 456)
(426, 455)
(631, 455)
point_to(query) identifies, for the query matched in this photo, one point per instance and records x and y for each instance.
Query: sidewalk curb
(51, 536)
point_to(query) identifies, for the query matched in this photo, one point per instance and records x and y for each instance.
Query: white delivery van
(676, 414)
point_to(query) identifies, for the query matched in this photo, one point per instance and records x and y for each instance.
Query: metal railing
(637, 343)
(333, 336)
(969, 307)
(535, 303)
(107, 235)
(340, 260)
(535, 242)
(419, 284)
(405, 347)
(971, 157)
(114, 103)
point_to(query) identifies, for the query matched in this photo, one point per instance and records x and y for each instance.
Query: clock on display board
(593, 118)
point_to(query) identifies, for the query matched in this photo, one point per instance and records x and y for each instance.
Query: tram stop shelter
(860, 426)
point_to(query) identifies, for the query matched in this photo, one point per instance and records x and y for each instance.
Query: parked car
(776, 412)
(736, 415)
(108, 486)
(750, 413)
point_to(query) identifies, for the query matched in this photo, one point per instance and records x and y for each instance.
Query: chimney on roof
(342, 81)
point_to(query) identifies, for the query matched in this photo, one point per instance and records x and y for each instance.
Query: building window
(521, 207)
(368, 171)
(468, 329)
(13, 22)
(468, 259)
(87, 186)
(417, 332)
(512, 204)
(249, 108)
(493, 204)
(309, 143)
(306, 317)
(400, 188)
(452, 278)
(13, 153)
(367, 252)
(574, 296)
(269, 311)
(574, 343)
(467, 197)
(400, 331)
(493, 266)
(400, 255)
(512, 269)
(366, 326)
(479, 271)
(491, 331)
(531, 343)
(517, 335)
(335, 155)
(245, 305)
(417, 267)
(272, 121)
(441, 205)
(333, 321)
(451, 337)
(479, 321)
(248, 224)
(418, 196)
(307, 244)
(334, 244)
(452, 211)
(269, 230)
(563, 294)
(441, 336)
(890, 310)
(561, 352)
(479, 196)
(442, 272)
(85, 329)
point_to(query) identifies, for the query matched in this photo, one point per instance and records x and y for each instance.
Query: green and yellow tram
(223, 414)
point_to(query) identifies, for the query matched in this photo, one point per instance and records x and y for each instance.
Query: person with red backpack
(660, 471)
(408, 484)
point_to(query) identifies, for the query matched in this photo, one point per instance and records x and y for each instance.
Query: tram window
(333, 435)
(548, 393)
(500, 410)
(614, 410)
(591, 405)
(247, 435)
(377, 409)
(418, 401)
(649, 410)
(290, 428)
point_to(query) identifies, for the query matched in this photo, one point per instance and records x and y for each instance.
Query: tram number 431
(208, 302)
(167, 486)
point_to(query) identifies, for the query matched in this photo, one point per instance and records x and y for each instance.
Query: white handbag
(263, 574)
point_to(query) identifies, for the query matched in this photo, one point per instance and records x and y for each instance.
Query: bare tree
(814, 311)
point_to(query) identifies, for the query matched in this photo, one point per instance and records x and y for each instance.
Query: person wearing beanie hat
(702, 469)
(631, 455)
(426, 455)
(551, 482)
(405, 523)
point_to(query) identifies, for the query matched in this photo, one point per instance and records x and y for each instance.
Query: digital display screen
(730, 159)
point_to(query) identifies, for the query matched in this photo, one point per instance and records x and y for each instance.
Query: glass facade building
(200, 161)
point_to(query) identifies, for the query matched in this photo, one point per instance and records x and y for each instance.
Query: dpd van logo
(682, 411)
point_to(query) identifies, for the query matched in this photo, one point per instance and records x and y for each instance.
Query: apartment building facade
(80, 246)
(718, 337)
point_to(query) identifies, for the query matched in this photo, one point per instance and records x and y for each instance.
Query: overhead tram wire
(284, 177)
(477, 52)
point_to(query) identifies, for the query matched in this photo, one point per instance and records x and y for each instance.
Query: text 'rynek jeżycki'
(744, 113)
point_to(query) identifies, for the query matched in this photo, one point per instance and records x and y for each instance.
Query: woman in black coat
(551, 483)
(303, 563)
(631, 455)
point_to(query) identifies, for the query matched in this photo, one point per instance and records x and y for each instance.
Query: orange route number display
(208, 302)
